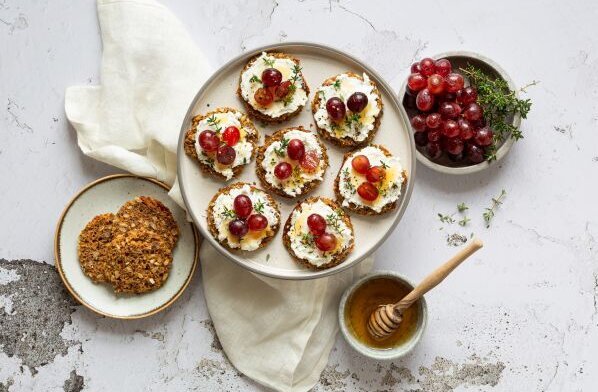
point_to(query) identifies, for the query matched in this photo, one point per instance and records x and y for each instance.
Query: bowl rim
(381, 354)
(502, 151)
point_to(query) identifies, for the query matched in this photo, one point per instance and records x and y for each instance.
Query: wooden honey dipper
(386, 318)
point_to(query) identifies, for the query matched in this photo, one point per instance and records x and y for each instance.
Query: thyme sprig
(488, 214)
(281, 150)
(259, 206)
(268, 62)
(228, 213)
(334, 221)
(445, 218)
(214, 122)
(255, 79)
(461, 207)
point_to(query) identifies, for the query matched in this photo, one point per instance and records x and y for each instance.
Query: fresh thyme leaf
(347, 181)
(384, 165)
(268, 257)
(259, 206)
(214, 122)
(490, 211)
(228, 213)
(289, 97)
(464, 221)
(255, 79)
(462, 207)
(296, 70)
(352, 118)
(307, 239)
(445, 218)
(337, 84)
(334, 221)
(268, 62)
(281, 150)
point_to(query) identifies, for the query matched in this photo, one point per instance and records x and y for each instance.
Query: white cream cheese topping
(250, 82)
(355, 126)
(389, 188)
(223, 206)
(302, 241)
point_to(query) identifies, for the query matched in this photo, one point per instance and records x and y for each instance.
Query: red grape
(361, 164)
(263, 96)
(433, 120)
(326, 242)
(433, 150)
(367, 191)
(282, 90)
(231, 135)
(450, 128)
(474, 153)
(447, 97)
(467, 95)
(434, 135)
(208, 141)
(283, 170)
(427, 66)
(421, 138)
(357, 102)
(242, 206)
(418, 123)
(424, 100)
(473, 112)
(238, 227)
(271, 77)
(454, 146)
(415, 68)
(336, 109)
(436, 84)
(454, 82)
(257, 222)
(295, 149)
(226, 155)
(443, 67)
(448, 109)
(416, 82)
(310, 161)
(316, 224)
(375, 174)
(483, 136)
(465, 129)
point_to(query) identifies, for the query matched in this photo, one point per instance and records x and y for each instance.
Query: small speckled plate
(319, 62)
(107, 195)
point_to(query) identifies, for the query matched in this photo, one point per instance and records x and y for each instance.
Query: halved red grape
(467, 95)
(336, 109)
(316, 224)
(242, 206)
(226, 155)
(257, 222)
(271, 77)
(238, 227)
(208, 141)
(283, 170)
(436, 84)
(418, 123)
(295, 149)
(326, 242)
(454, 82)
(443, 67)
(454, 146)
(416, 82)
(421, 138)
(263, 96)
(434, 135)
(424, 100)
(357, 102)
(427, 66)
(474, 153)
(415, 68)
(361, 164)
(433, 150)
(367, 191)
(282, 90)
(450, 128)
(231, 135)
(465, 129)
(483, 136)
(473, 112)
(433, 120)
(375, 174)
(310, 161)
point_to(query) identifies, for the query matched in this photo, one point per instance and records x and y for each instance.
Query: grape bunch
(449, 119)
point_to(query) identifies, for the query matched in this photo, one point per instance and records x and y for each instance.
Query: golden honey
(366, 298)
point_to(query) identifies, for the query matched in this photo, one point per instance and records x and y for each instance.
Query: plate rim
(313, 274)
(67, 284)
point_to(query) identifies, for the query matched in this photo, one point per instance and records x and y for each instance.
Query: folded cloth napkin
(277, 332)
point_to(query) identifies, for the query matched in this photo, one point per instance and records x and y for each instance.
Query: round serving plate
(319, 62)
(107, 195)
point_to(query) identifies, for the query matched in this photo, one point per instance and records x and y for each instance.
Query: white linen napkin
(277, 332)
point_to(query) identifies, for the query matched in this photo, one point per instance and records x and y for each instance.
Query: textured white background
(528, 300)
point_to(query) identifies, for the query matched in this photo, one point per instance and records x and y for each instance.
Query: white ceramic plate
(319, 62)
(107, 195)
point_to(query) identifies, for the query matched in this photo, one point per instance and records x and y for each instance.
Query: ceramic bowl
(376, 353)
(461, 59)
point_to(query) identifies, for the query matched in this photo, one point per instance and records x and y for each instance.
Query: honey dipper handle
(438, 275)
